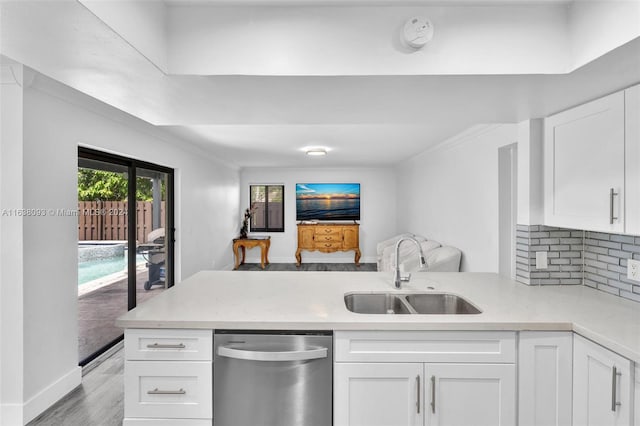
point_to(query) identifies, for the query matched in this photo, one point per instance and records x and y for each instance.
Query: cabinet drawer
(425, 346)
(328, 246)
(168, 345)
(168, 389)
(327, 238)
(328, 231)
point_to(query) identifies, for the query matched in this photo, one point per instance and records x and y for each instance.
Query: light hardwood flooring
(98, 401)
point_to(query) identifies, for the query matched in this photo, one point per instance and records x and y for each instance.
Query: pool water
(94, 269)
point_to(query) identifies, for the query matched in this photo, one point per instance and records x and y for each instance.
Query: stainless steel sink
(375, 303)
(409, 303)
(440, 303)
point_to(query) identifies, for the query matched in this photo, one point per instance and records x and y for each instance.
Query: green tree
(96, 185)
(111, 186)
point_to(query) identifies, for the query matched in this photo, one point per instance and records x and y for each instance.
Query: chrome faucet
(398, 277)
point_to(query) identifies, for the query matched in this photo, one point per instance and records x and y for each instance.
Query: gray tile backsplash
(564, 249)
(605, 263)
(595, 259)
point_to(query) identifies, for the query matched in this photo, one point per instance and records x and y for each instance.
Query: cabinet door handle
(614, 389)
(612, 194)
(433, 394)
(160, 346)
(418, 394)
(167, 392)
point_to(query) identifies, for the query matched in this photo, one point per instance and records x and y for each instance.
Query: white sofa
(438, 258)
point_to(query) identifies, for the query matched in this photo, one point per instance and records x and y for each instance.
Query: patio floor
(98, 310)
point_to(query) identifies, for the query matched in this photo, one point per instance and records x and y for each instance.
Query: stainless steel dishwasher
(272, 379)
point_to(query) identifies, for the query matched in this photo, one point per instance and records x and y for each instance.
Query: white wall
(377, 211)
(11, 245)
(206, 218)
(530, 176)
(450, 194)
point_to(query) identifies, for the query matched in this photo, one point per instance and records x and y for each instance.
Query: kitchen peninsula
(497, 345)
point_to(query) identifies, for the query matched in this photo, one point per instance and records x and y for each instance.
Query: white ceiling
(266, 121)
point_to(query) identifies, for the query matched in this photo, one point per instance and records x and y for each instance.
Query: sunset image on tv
(328, 201)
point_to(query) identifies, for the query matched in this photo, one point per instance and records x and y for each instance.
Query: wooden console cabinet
(328, 238)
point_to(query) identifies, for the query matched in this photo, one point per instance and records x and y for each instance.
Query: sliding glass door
(125, 243)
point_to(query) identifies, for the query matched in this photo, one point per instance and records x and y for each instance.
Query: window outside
(267, 204)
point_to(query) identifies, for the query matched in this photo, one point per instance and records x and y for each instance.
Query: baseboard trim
(51, 394)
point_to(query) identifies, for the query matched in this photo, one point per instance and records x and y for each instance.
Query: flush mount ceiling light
(316, 152)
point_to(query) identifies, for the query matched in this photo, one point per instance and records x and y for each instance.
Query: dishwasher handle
(249, 355)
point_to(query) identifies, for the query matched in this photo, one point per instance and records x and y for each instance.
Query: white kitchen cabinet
(168, 377)
(584, 166)
(391, 378)
(167, 389)
(399, 394)
(545, 362)
(470, 394)
(637, 396)
(378, 394)
(632, 160)
(602, 386)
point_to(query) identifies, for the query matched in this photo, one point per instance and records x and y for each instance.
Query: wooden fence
(107, 220)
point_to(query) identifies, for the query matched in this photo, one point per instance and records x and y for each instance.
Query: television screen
(327, 201)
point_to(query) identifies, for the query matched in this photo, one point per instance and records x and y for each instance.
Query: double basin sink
(409, 303)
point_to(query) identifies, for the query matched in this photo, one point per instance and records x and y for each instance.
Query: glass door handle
(250, 355)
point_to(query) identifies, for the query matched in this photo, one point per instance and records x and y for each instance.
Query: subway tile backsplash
(564, 249)
(595, 259)
(605, 263)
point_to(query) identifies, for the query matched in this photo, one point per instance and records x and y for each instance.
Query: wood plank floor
(98, 401)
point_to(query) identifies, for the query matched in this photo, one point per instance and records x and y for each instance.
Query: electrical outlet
(633, 269)
(541, 260)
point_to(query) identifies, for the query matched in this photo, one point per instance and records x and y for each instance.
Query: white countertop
(315, 301)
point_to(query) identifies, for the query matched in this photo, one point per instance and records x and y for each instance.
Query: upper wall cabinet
(584, 158)
(592, 165)
(632, 160)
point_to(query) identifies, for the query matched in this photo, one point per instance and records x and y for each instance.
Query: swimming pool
(94, 267)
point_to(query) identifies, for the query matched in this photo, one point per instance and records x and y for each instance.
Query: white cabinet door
(584, 154)
(378, 394)
(470, 394)
(601, 386)
(544, 368)
(632, 160)
(637, 396)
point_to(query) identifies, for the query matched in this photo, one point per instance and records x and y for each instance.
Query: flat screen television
(327, 201)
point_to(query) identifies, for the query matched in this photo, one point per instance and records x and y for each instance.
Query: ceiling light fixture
(317, 151)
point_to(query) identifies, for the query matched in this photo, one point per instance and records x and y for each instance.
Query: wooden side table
(249, 243)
